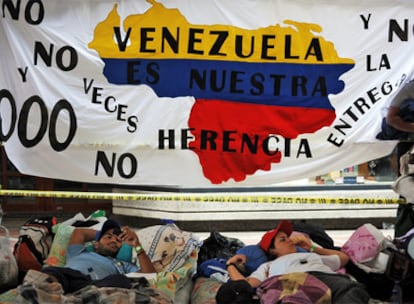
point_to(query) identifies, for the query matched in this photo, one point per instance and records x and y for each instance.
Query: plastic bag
(218, 246)
(8, 264)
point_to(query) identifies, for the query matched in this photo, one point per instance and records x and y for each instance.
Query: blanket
(92, 294)
(294, 288)
(161, 290)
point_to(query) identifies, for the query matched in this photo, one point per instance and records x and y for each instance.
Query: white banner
(198, 93)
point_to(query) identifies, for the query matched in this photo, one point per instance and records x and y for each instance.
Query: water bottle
(396, 295)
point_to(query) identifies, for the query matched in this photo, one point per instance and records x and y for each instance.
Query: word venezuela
(252, 84)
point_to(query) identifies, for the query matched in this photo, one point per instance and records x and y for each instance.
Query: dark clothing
(236, 292)
(73, 280)
(343, 289)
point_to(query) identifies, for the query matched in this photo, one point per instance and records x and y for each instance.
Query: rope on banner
(198, 198)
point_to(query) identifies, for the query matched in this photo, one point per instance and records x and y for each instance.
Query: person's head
(276, 242)
(107, 242)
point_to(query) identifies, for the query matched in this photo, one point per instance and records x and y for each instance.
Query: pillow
(167, 246)
(255, 256)
(364, 244)
(171, 282)
(57, 254)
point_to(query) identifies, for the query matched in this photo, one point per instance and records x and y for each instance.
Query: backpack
(33, 244)
(236, 292)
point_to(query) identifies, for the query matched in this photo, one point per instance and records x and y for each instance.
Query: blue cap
(109, 224)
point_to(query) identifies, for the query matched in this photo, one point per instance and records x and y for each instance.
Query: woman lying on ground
(286, 258)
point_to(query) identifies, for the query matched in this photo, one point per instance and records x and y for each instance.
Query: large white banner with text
(198, 93)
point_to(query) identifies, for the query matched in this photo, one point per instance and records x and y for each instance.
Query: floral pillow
(57, 254)
(167, 246)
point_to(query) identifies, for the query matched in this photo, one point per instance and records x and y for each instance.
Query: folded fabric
(211, 266)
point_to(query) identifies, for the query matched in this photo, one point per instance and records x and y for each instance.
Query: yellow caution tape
(200, 198)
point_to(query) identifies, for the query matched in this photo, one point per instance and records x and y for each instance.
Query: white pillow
(167, 246)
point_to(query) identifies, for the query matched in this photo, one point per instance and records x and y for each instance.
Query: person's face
(282, 245)
(109, 244)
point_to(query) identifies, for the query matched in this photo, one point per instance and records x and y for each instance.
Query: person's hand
(128, 236)
(237, 259)
(302, 241)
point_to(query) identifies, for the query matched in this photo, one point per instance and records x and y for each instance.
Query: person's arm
(343, 257)
(394, 119)
(144, 260)
(307, 244)
(82, 235)
(130, 237)
(234, 273)
(231, 266)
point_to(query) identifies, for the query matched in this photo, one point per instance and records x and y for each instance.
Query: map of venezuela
(248, 85)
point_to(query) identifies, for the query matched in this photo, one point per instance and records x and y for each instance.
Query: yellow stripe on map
(199, 198)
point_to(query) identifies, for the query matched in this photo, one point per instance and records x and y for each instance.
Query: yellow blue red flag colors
(199, 93)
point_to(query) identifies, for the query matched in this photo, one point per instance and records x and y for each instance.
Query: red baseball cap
(268, 237)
